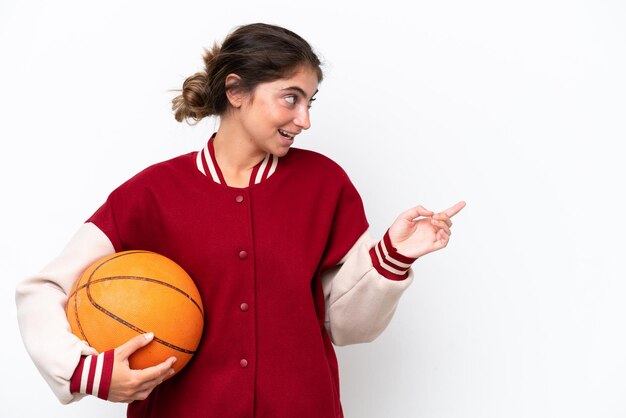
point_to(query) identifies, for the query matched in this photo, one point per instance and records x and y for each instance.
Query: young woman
(275, 238)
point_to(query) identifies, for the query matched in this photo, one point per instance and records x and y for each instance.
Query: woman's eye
(291, 99)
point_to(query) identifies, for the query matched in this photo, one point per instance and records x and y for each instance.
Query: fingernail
(148, 336)
(174, 361)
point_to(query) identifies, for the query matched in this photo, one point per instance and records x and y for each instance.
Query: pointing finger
(454, 209)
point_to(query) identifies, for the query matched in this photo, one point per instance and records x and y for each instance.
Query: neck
(235, 152)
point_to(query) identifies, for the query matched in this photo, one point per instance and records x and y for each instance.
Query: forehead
(304, 79)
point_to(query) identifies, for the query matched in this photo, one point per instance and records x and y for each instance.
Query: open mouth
(286, 134)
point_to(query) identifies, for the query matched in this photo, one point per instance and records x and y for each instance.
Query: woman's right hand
(128, 385)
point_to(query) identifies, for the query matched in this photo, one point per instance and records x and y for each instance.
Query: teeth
(286, 133)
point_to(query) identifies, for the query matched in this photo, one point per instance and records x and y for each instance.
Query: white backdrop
(516, 107)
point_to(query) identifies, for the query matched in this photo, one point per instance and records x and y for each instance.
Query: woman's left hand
(414, 237)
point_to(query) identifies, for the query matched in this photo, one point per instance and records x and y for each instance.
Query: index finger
(454, 209)
(155, 372)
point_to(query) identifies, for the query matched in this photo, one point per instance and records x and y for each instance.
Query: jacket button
(243, 255)
(243, 363)
(244, 307)
(239, 199)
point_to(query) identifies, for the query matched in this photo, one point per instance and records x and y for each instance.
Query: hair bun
(191, 103)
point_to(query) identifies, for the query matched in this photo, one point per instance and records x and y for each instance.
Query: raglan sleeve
(57, 353)
(363, 285)
(69, 365)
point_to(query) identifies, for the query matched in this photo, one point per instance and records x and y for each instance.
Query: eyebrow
(299, 90)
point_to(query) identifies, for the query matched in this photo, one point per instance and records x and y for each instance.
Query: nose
(303, 120)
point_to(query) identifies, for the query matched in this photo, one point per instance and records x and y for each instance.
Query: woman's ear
(233, 93)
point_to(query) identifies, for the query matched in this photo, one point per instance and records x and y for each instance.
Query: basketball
(133, 292)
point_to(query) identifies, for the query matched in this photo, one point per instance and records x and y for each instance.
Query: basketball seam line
(115, 317)
(139, 278)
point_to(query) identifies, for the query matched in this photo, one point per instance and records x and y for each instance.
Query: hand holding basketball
(122, 296)
(128, 385)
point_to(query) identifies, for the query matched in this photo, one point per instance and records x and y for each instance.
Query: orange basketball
(134, 292)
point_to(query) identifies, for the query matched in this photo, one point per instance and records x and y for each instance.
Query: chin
(281, 152)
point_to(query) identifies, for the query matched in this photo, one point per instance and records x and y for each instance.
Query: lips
(286, 134)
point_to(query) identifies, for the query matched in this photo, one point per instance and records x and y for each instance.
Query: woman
(275, 238)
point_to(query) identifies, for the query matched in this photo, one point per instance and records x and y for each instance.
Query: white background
(516, 107)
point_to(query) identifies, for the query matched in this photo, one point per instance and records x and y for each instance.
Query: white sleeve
(41, 316)
(360, 300)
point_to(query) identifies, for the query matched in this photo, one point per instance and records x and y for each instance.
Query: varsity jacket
(285, 267)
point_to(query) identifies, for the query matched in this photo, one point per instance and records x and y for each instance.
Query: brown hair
(257, 53)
